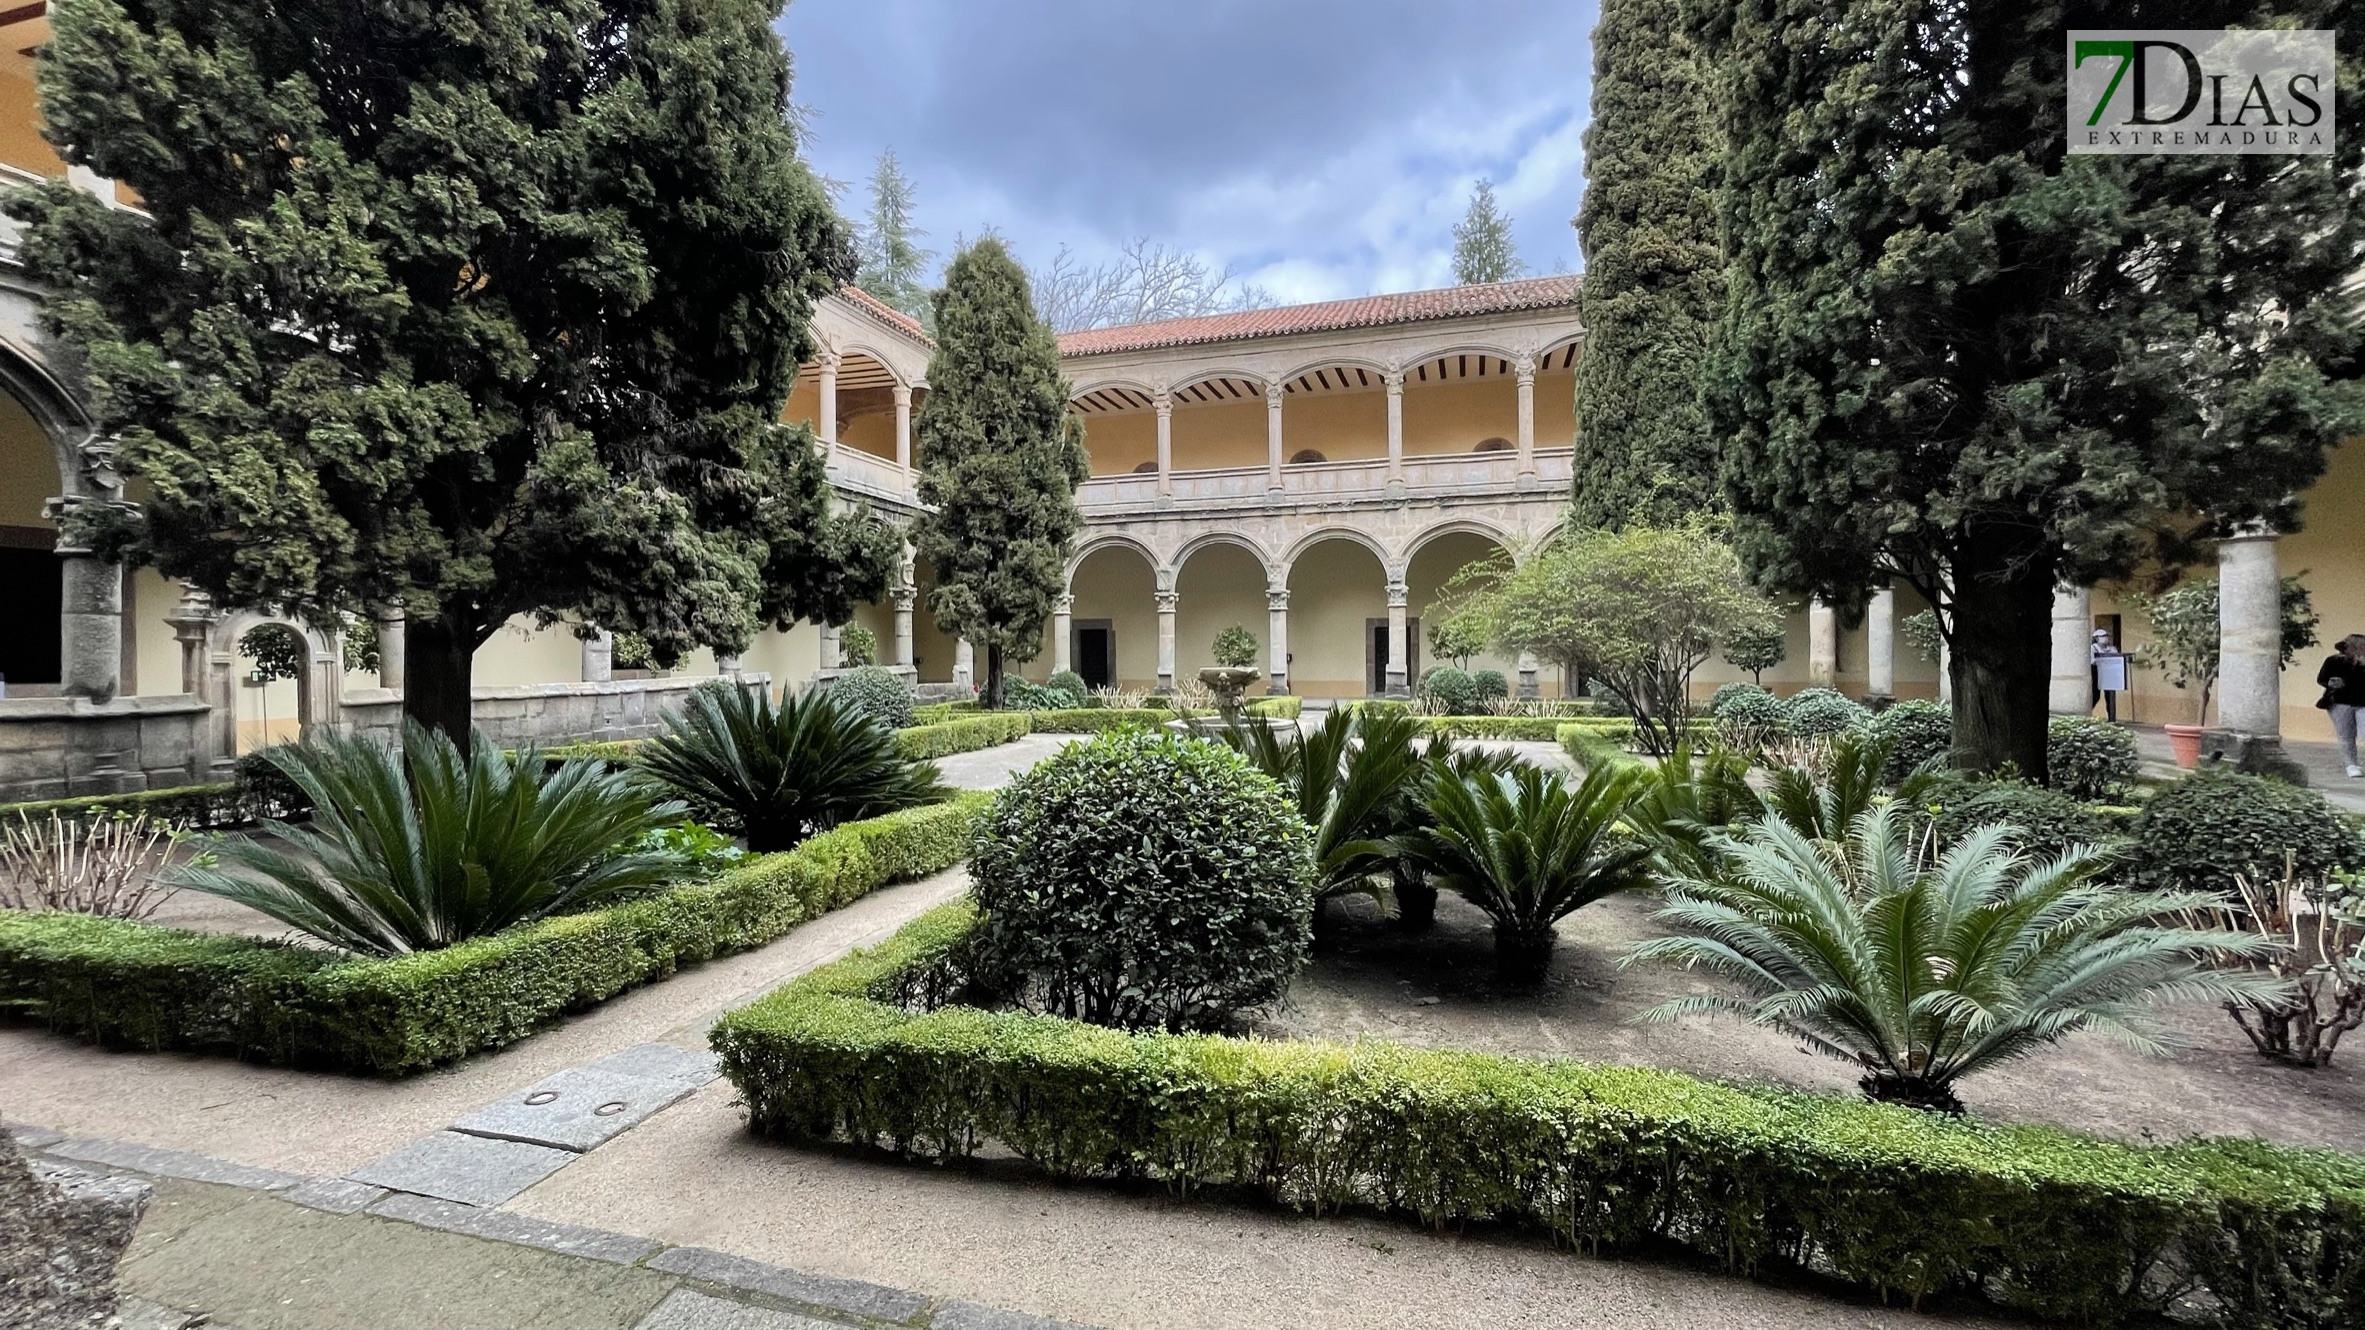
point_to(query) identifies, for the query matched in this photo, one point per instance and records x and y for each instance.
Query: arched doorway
(1432, 593)
(1113, 623)
(1338, 619)
(1220, 585)
(30, 598)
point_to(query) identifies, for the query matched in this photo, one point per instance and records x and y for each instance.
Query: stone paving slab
(852, 1296)
(336, 1196)
(31, 1137)
(524, 1230)
(693, 1067)
(686, 1309)
(978, 1316)
(453, 1166)
(173, 1164)
(575, 1109)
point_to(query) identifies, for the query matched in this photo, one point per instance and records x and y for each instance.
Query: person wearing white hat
(2109, 697)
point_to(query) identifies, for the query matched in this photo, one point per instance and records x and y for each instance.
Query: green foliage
(490, 315)
(1681, 805)
(1883, 1199)
(936, 713)
(1817, 713)
(191, 807)
(148, 987)
(1944, 349)
(2185, 632)
(2045, 822)
(1097, 720)
(1756, 649)
(1447, 691)
(1654, 275)
(962, 734)
(1235, 646)
(1142, 880)
(422, 849)
(1349, 778)
(875, 693)
(2200, 832)
(857, 646)
(1279, 707)
(1746, 704)
(1069, 682)
(2089, 759)
(1000, 458)
(1916, 731)
(628, 650)
(1454, 638)
(1926, 972)
(894, 267)
(778, 775)
(265, 789)
(1823, 797)
(1529, 850)
(1025, 695)
(1920, 631)
(1489, 686)
(701, 850)
(1483, 250)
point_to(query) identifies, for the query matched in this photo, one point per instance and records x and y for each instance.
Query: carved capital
(1399, 594)
(1063, 605)
(1276, 600)
(1166, 602)
(1163, 402)
(905, 598)
(903, 394)
(1395, 380)
(1525, 368)
(1274, 391)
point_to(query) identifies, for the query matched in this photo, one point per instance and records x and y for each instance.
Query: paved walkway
(2326, 772)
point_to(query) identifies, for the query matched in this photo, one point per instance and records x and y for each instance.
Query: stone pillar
(1526, 368)
(1399, 680)
(1529, 685)
(904, 598)
(964, 664)
(1822, 645)
(1274, 392)
(903, 427)
(1165, 408)
(90, 624)
(726, 666)
(1395, 381)
(192, 625)
(1166, 601)
(2249, 730)
(1880, 644)
(1945, 672)
(1063, 625)
(825, 419)
(833, 655)
(1277, 640)
(2072, 689)
(390, 644)
(599, 657)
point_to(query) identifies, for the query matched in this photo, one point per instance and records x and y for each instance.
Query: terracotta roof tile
(1452, 302)
(886, 313)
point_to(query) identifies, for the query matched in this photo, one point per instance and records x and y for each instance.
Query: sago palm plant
(420, 849)
(1922, 972)
(777, 775)
(1349, 776)
(1529, 849)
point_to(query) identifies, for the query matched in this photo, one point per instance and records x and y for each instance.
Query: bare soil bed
(1437, 990)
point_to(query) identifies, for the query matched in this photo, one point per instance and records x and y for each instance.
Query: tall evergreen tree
(1483, 250)
(1954, 353)
(1654, 275)
(485, 309)
(894, 267)
(1000, 460)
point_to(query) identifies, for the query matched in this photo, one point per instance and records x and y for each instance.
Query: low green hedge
(936, 713)
(922, 743)
(1092, 720)
(201, 807)
(1890, 1199)
(1283, 707)
(143, 986)
(619, 751)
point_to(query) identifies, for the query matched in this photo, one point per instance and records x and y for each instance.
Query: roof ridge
(882, 312)
(1445, 302)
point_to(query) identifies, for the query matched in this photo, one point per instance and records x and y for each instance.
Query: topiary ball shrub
(1749, 707)
(1069, 682)
(1915, 731)
(1448, 690)
(1489, 685)
(877, 692)
(1024, 695)
(1817, 713)
(1235, 648)
(1142, 880)
(1730, 696)
(2201, 831)
(2049, 820)
(2089, 759)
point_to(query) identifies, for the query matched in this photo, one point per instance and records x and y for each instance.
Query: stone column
(1880, 644)
(1166, 600)
(1529, 685)
(1277, 640)
(1822, 645)
(964, 664)
(1062, 630)
(833, 655)
(90, 623)
(825, 419)
(390, 643)
(906, 592)
(2250, 658)
(726, 666)
(1164, 405)
(1274, 392)
(1945, 672)
(1395, 381)
(1526, 368)
(192, 625)
(903, 427)
(599, 657)
(2072, 689)
(1399, 597)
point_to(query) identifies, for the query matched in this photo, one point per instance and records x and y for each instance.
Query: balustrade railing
(1452, 473)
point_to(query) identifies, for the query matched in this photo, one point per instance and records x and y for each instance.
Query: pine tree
(1654, 275)
(1954, 353)
(1482, 247)
(894, 267)
(487, 310)
(1000, 459)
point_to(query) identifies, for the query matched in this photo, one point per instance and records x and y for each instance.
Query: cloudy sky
(1322, 148)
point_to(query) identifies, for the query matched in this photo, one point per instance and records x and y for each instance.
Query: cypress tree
(1000, 459)
(485, 309)
(1483, 250)
(1954, 353)
(1654, 275)
(894, 267)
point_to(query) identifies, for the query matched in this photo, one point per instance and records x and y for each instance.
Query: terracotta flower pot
(2185, 742)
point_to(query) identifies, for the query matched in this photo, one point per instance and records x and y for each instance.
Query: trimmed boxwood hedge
(1887, 1198)
(936, 713)
(140, 985)
(1092, 720)
(202, 807)
(967, 734)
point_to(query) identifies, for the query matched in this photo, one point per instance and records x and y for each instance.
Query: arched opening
(1338, 413)
(30, 596)
(274, 686)
(1453, 402)
(1338, 619)
(1219, 586)
(1556, 397)
(1307, 457)
(865, 403)
(1113, 623)
(1120, 430)
(1149, 468)
(1433, 595)
(1496, 444)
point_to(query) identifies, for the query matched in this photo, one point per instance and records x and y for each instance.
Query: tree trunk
(993, 678)
(438, 665)
(2002, 657)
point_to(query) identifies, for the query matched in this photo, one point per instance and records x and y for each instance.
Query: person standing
(2343, 679)
(2106, 691)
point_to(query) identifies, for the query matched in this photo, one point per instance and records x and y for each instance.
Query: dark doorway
(1375, 654)
(30, 598)
(1096, 652)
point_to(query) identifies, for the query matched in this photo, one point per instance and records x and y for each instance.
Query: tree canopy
(484, 310)
(1483, 250)
(894, 267)
(1000, 458)
(1954, 353)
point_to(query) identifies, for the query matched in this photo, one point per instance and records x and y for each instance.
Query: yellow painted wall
(21, 144)
(1219, 586)
(28, 467)
(1120, 441)
(156, 664)
(1115, 584)
(1341, 426)
(803, 405)
(1454, 417)
(1556, 410)
(873, 432)
(1218, 434)
(1334, 586)
(1431, 568)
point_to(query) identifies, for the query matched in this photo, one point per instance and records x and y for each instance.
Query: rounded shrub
(2198, 833)
(1817, 713)
(2088, 759)
(1747, 706)
(1142, 880)
(1489, 685)
(1448, 690)
(1024, 695)
(877, 692)
(1915, 731)
(1070, 682)
(1731, 695)
(2049, 820)
(857, 646)
(1235, 647)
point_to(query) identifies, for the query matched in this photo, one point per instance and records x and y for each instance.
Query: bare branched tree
(1144, 283)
